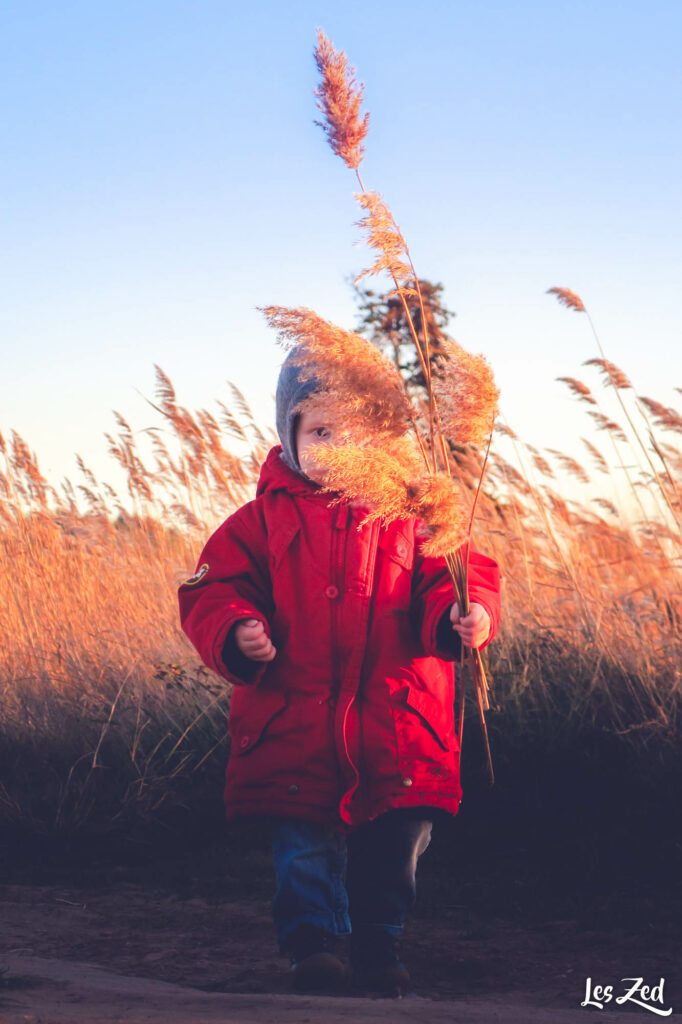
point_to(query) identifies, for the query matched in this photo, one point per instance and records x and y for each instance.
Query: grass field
(111, 727)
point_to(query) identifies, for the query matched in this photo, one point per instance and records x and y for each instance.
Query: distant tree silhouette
(383, 321)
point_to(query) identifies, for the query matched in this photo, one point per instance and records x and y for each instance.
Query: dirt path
(130, 952)
(59, 992)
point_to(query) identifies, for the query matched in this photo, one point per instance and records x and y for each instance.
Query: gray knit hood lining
(291, 391)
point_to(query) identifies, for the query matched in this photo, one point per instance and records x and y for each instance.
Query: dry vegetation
(107, 716)
(586, 565)
(105, 711)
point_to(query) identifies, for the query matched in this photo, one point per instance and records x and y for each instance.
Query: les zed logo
(639, 994)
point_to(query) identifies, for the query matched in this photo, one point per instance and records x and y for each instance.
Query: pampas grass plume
(339, 98)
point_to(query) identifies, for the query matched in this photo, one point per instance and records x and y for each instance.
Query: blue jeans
(344, 882)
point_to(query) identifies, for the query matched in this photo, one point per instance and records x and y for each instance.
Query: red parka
(354, 716)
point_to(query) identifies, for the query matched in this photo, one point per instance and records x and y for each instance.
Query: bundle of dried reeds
(397, 454)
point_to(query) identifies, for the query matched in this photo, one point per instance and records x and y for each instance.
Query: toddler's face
(315, 427)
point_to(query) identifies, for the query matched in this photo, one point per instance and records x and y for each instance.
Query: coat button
(401, 551)
(331, 592)
(407, 782)
(244, 741)
(293, 790)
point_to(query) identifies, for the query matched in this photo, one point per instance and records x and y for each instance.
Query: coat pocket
(396, 563)
(398, 548)
(249, 722)
(421, 712)
(281, 540)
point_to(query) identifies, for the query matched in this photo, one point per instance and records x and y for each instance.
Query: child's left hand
(474, 628)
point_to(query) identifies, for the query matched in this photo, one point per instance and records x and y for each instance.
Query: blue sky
(163, 177)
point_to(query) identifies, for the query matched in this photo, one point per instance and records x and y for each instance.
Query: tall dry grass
(107, 717)
(595, 618)
(104, 711)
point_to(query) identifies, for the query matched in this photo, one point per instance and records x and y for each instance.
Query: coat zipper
(336, 574)
(355, 787)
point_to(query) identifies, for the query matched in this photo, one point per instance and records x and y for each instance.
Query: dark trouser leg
(310, 862)
(381, 882)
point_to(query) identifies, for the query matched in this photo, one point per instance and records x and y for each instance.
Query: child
(337, 641)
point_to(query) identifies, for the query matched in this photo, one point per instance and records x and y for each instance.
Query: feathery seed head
(607, 505)
(378, 471)
(502, 428)
(604, 423)
(383, 234)
(613, 374)
(579, 389)
(568, 298)
(570, 465)
(339, 98)
(466, 394)
(445, 522)
(542, 465)
(388, 476)
(361, 385)
(664, 416)
(599, 459)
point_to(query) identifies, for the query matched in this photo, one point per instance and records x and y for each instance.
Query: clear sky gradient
(162, 177)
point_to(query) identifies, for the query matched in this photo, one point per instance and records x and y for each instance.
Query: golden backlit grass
(106, 714)
(460, 409)
(100, 698)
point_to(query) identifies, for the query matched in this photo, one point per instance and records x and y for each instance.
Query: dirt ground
(464, 968)
(59, 992)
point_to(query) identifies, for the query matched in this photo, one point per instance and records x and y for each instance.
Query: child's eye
(322, 432)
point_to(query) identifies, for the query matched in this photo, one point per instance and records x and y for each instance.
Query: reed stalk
(339, 99)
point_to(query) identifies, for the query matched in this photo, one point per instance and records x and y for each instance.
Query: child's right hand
(253, 641)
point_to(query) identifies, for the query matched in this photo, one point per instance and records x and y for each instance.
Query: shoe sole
(320, 971)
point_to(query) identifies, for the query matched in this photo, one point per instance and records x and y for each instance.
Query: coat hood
(276, 475)
(294, 385)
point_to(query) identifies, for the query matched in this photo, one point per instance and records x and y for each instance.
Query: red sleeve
(232, 582)
(484, 588)
(433, 595)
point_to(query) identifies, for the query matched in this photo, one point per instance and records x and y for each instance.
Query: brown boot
(313, 964)
(375, 962)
